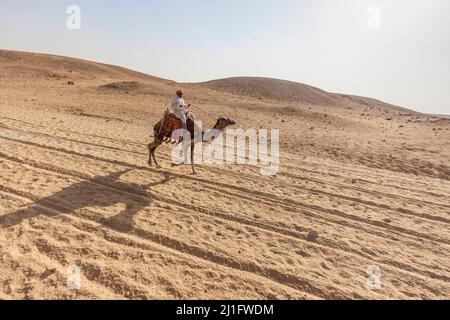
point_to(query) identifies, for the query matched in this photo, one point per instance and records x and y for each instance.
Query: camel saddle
(169, 123)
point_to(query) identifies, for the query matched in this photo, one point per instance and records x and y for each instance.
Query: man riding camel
(181, 109)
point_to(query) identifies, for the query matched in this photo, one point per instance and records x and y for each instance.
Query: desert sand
(361, 183)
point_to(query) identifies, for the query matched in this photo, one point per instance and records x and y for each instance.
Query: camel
(163, 133)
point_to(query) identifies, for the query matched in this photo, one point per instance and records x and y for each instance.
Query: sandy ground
(361, 183)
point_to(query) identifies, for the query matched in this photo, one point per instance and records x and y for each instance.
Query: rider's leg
(183, 121)
(197, 129)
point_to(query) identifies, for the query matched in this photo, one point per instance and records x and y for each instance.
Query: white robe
(179, 107)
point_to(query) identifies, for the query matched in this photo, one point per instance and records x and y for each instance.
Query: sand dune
(361, 183)
(266, 88)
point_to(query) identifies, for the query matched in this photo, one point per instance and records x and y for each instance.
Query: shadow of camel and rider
(100, 191)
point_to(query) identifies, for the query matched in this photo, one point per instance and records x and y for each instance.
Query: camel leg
(192, 159)
(150, 146)
(151, 150)
(155, 146)
(153, 155)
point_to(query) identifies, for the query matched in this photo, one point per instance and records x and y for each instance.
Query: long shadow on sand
(92, 194)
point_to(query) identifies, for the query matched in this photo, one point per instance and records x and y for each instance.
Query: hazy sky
(337, 45)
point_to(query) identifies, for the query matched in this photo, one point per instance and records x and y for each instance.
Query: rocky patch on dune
(121, 86)
(129, 87)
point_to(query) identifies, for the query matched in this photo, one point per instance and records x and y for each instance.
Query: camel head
(223, 122)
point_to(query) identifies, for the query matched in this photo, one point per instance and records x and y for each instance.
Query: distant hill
(288, 91)
(36, 65)
(29, 66)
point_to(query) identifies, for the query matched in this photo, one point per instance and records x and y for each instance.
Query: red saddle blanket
(169, 123)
